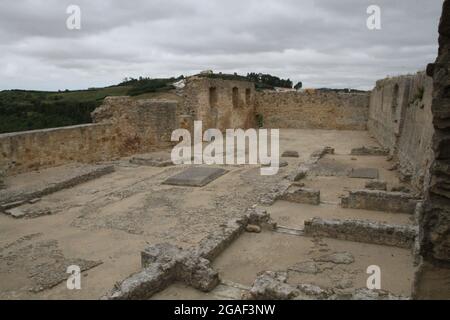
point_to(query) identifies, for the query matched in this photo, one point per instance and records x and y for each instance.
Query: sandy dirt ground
(102, 225)
(273, 251)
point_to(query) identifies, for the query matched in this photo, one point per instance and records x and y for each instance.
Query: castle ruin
(364, 182)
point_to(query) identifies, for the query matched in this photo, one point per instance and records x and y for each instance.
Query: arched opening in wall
(248, 96)
(395, 97)
(235, 97)
(213, 97)
(394, 105)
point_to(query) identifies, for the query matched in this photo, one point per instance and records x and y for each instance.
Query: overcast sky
(324, 43)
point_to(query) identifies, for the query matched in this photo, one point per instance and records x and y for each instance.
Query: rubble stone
(253, 228)
(337, 258)
(369, 151)
(302, 195)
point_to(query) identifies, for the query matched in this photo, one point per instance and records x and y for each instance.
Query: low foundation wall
(362, 231)
(380, 201)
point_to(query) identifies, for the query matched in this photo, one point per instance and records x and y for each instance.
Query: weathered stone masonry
(122, 127)
(219, 104)
(400, 119)
(433, 278)
(313, 110)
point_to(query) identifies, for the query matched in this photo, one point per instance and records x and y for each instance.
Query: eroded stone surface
(337, 258)
(43, 262)
(271, 285)
(305, 267)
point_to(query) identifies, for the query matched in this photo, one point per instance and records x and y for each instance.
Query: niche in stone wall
(248, 96)
(213, 98)
(235, 97)
(395, 97)
(394, 104)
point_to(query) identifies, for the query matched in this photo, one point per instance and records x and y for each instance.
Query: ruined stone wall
(143, 124)
(400, 119)
(313, 110)
(124, 127)
(433, 277)
(222, 104)
(32, 150)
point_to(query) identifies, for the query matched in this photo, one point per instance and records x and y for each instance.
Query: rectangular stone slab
(195, 176)
(364, 173)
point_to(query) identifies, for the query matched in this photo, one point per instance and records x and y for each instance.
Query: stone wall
(32, 150)
(142, 124)
(433, 277)
(222, 104)
(313, 110)
(400, 119)
(123, 127)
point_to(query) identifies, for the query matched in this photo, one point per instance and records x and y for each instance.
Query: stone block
(364, 173)
(195, 176)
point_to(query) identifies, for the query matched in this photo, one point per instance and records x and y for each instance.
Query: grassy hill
(22, 110)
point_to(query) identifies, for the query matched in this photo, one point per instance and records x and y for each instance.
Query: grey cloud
(321, 42)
